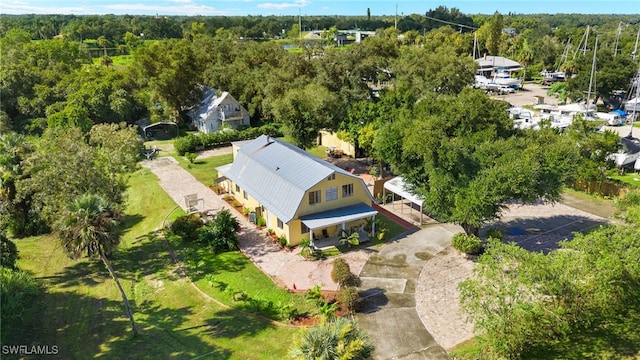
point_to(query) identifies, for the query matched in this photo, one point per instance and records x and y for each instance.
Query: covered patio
(403, 198)
(342, 217)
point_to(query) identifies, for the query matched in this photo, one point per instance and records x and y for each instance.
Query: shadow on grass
(83, 327)
(232, 324)
(146, 256)
(544, 233)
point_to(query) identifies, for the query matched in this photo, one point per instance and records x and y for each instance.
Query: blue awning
(620, 112)
(338, 216)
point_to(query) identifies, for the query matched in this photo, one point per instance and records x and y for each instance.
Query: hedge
(191, 142)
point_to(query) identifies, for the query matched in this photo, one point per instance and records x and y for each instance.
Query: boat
(628, 154)
(503, 77)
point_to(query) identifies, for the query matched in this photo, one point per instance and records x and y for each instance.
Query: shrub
(469, 244)
(341, 271)
(190, 142)
(282, 240)
(341, 274)
(186, 227)
(495, 233)
(222, 233)
(235, 203)
(260, 221)
(9, 253)
(18, 289)
(246, 211)
(191, 156)
(348, 297)
(270, 231)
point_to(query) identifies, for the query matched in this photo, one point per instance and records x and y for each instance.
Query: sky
(311, 7)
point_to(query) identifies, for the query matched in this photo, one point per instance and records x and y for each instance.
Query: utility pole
(300, 24)
(396, 18)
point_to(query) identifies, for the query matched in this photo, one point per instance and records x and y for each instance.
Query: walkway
(287, 269)
(390, 285)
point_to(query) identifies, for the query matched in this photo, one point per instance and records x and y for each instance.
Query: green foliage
(9, 253)
(349, 298)
(495, 233)
(187, 227)
(18, 290)
(468, 244)
(88, 226)
(520, 300)
(559, 89)
(339, 339)
(190, 142)
(66, 166)
(222, 233)
(629, 207)
(351, 239)
(463, 156)
(303, 113)
(282, 240)
(191, 156)
(261, 221)
(341, 271)
(593, 148)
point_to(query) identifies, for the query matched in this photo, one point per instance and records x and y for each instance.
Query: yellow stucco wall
(330, 139)
(293, 230)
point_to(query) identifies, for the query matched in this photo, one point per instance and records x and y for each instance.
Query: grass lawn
(631, 180)
(225, 277)
(82, 313)
(204, 170)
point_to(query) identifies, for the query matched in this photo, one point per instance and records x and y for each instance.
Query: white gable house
(217, 109)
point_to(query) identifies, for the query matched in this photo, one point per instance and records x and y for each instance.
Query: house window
(347, 190)
(280, 224)
(237, 188)
(332, 177)
(244, 195)
(314, 197)
(332, 193)
(304, 229)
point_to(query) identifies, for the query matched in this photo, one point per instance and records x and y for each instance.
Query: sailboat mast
(615, 51)
(635, 48)
(586, 42)
(593, 70)
(635, 104)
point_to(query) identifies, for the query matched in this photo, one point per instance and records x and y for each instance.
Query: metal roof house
(297, 194)
(217, 109)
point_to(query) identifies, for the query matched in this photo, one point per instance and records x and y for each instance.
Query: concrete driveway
(389, 282)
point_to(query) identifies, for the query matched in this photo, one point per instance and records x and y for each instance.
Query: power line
(451, 23)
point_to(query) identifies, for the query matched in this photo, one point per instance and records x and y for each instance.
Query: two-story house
(298, 194)
(218, 109)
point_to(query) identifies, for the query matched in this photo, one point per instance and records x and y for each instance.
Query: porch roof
(338, 216)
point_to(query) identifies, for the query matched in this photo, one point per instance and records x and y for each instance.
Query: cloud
(185, 8)
(284, 5)
(164, 7)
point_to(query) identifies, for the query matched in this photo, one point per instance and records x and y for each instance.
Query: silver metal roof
(278, 174)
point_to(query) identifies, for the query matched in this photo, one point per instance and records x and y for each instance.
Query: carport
(159, 129)
(397, 186)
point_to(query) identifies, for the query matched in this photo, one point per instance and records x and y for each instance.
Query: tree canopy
(463, 156)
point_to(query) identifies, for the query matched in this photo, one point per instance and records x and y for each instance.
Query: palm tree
(340, 339)
(102, 41)
(89, 227)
